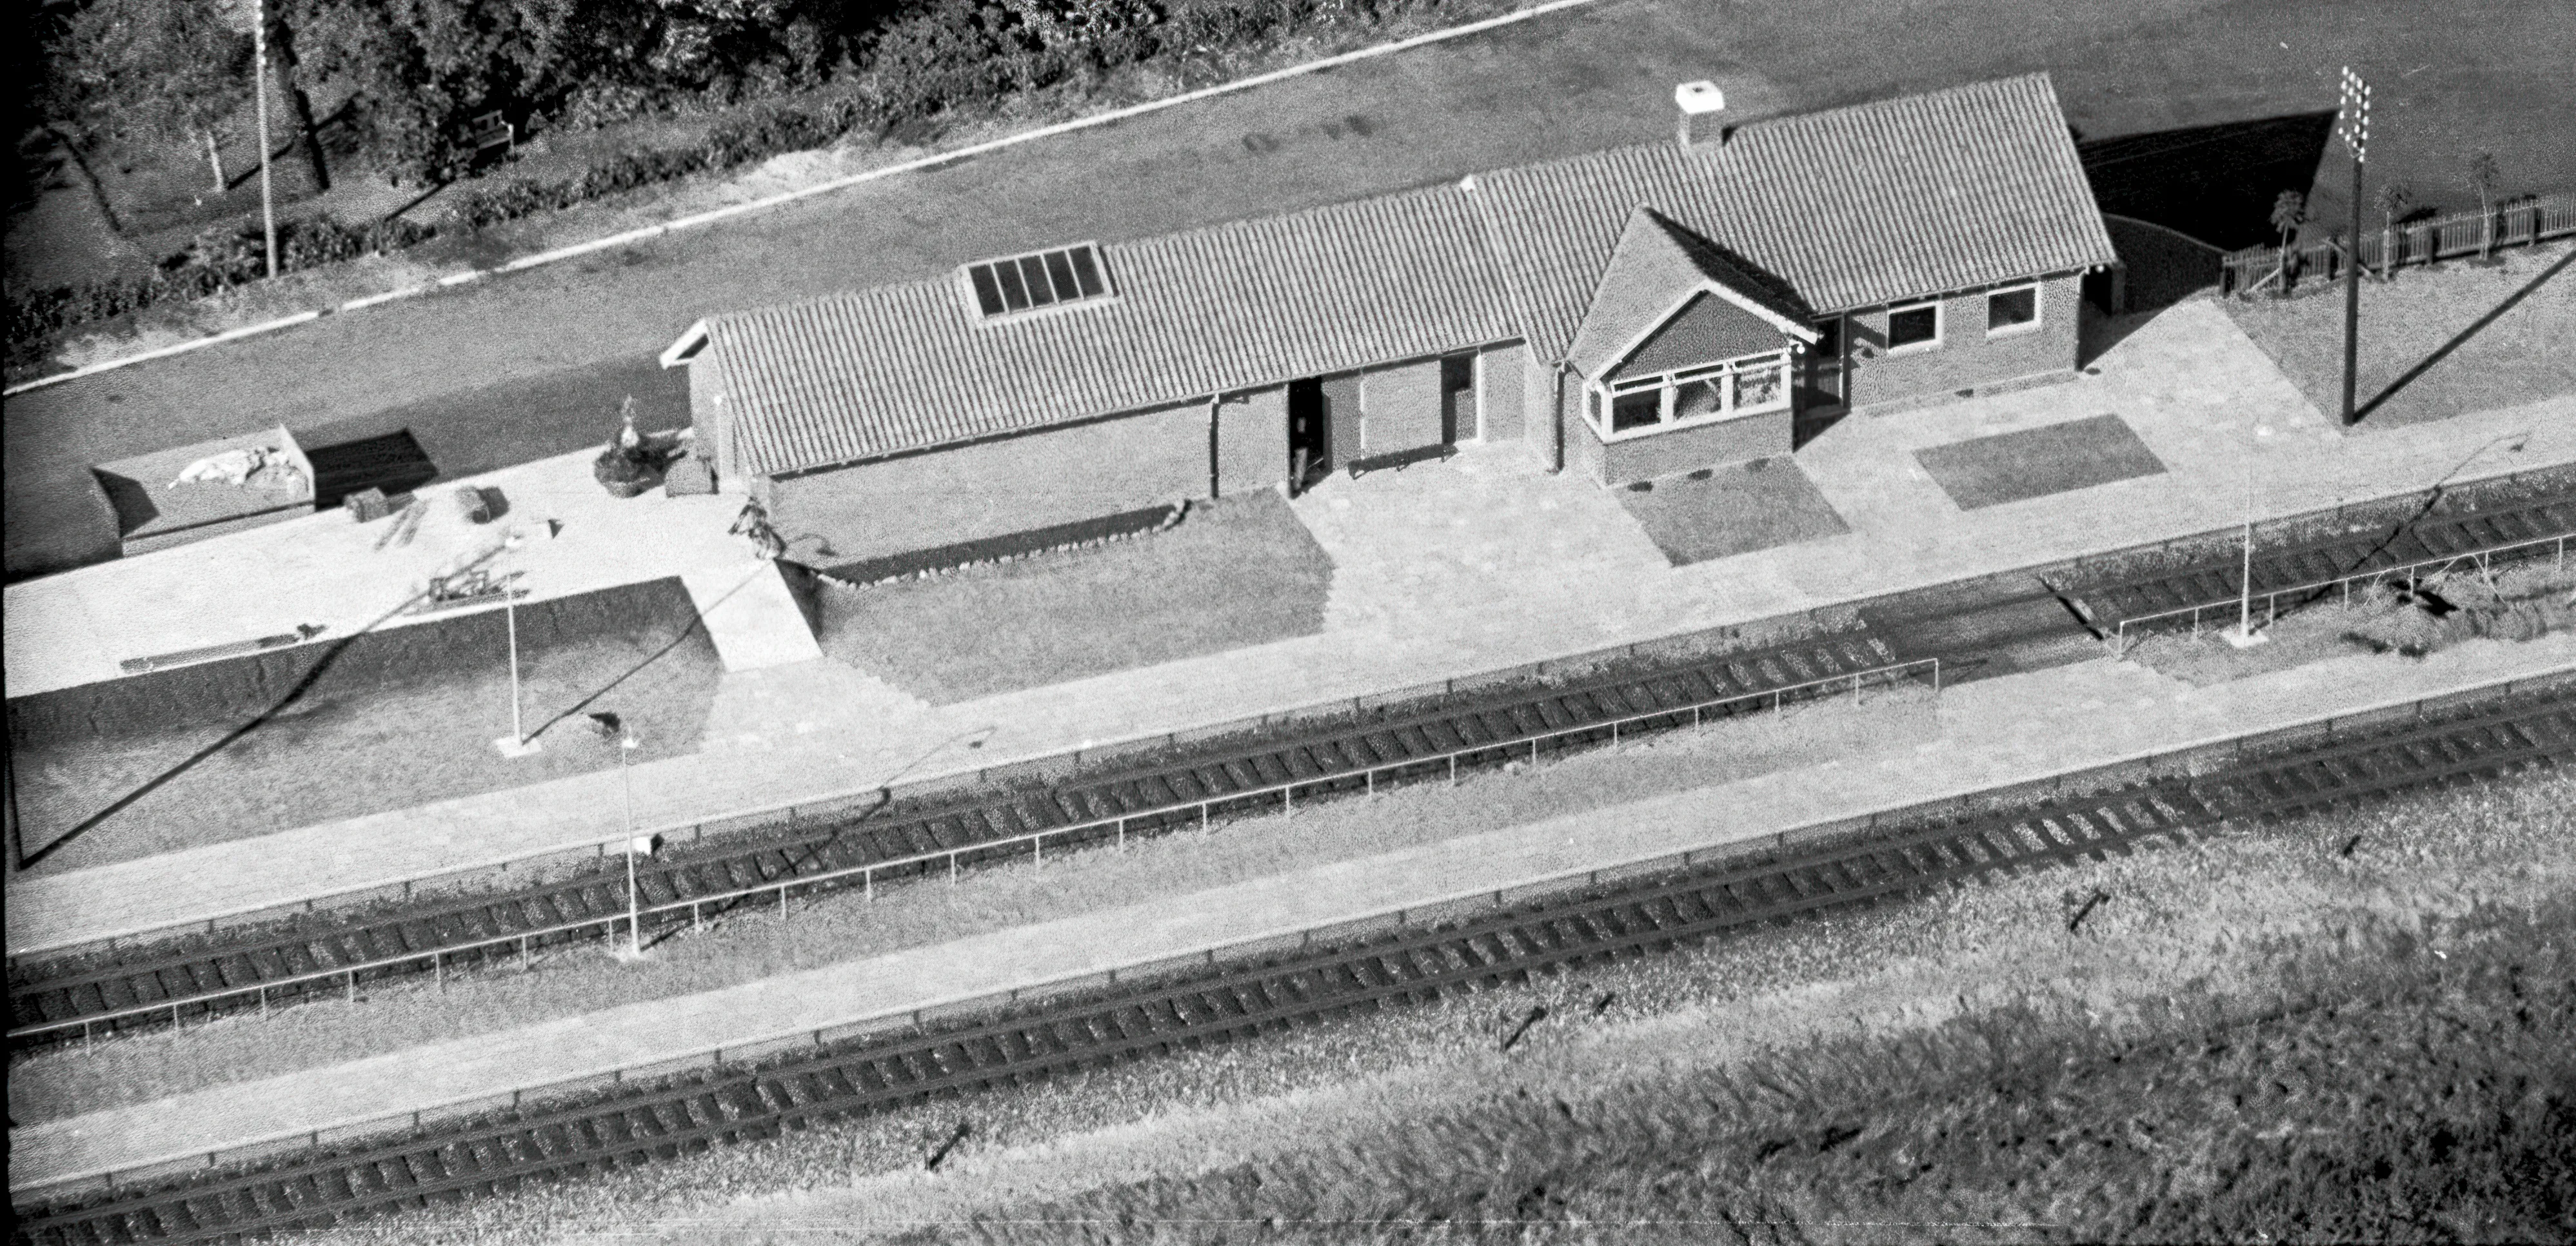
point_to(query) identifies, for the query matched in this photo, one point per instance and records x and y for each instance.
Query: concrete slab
(752, 616)
(1442, 570)
(1995, 732)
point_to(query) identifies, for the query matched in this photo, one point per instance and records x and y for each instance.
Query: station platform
(1440, 571)
(1992, 733)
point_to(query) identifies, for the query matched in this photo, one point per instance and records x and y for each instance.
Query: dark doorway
(393, 462)
(1309, 436)
(1458, 400)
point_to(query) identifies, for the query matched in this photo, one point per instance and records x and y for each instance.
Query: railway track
(641, 1123)
(77, 998)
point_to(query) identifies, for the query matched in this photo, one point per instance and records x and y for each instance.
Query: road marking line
(821, 188)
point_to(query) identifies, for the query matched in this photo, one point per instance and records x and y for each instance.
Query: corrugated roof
(1235, 306)
(1849, 208)
(1655, 263)
(1836, 210)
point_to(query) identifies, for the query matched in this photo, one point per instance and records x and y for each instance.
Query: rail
(1284, 793)
(2228, 750)
(2272, 597)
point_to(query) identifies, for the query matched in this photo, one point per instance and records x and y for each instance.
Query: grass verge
(1233, 574)
(2516, 604)
(2528, 353)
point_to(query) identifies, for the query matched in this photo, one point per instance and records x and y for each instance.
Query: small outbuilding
(1626, 314)
(172, 497)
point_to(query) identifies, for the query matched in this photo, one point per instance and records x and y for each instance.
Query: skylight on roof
(1046, 279)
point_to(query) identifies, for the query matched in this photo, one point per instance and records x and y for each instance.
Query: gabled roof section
(1230, 307)
(1653, 272)
(1848, 208)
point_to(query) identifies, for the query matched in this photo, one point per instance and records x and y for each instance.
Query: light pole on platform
(626, 746)
(2245, 636)
(517, 743)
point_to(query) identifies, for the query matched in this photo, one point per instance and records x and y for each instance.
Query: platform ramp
(753, 616)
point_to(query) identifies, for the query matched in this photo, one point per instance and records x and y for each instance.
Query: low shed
(172, 497)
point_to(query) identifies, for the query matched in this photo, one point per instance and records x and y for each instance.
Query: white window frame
(2038, 310)
(1599, 395)
(1940, 327)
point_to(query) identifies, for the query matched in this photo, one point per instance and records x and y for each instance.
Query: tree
(168, 69)
(2394, 200)
(2289, 212)
(2483, 178)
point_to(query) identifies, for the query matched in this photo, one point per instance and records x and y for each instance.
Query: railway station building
(1624, 315)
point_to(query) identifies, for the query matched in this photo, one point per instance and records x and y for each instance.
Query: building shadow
(2424, 365)
(2215, 183)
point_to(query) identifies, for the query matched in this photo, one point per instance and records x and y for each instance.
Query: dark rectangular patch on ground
(2036, 462)
(1736, 509)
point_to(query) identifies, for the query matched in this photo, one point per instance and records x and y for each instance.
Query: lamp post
(517, 743)
(2356, 138)
(2245, 637)
(626, 746)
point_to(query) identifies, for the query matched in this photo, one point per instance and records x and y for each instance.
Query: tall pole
(510, 607)
(2356, 136)
(259, 90)
(634, 906)
(2245, 594)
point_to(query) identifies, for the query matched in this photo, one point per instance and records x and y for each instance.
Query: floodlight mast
(2356, 138)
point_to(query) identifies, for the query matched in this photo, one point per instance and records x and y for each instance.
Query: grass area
(393, 719)
(2518, 603)
(2038, 462)
(55, 1084)
(1235, 573)
(2430, 319)
(1716, 512)
(2265, 1035)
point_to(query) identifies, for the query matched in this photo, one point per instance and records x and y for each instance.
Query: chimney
(1700, 104)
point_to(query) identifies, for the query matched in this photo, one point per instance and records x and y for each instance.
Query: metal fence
(1114, 829)
(2518, 224)
(2482, 559)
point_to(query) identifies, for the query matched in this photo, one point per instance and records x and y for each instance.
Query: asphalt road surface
(535, 364)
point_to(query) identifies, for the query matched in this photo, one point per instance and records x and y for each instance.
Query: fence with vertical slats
(2520, 223)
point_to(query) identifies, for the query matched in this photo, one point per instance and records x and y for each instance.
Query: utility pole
(626, 745)
(259, 93)
(2355, 132)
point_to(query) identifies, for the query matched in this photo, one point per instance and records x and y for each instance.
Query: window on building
(1918, 325)
(1047, 279)
(2016, 308)
(1643, 406)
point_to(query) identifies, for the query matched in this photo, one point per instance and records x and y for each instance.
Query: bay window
(1643, 406)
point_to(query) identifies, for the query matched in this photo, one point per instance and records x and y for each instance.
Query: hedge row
(933, 62)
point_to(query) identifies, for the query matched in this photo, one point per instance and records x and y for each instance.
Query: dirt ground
(455, 365)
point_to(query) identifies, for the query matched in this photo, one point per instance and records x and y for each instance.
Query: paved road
(535, 364)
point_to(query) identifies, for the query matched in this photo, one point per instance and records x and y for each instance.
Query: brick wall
(1401, 407)
(989, 489)
(1252, 441)
(1682, 450)
(1966, 358)
(1502, 392)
